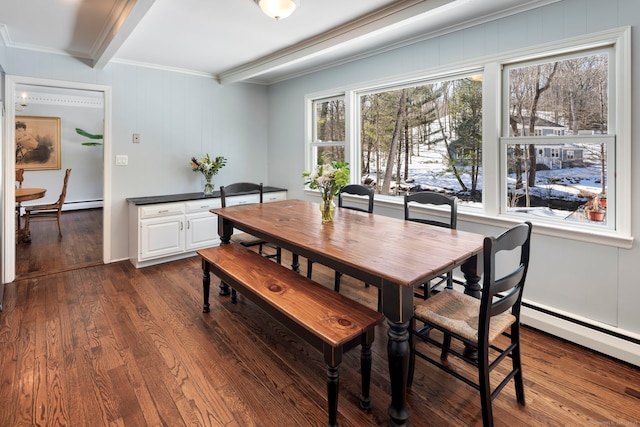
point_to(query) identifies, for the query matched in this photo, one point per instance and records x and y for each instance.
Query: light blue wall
(178, 116)
(593, 281)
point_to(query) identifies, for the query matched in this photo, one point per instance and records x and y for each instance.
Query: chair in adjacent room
(19, 181)
(412, 204)
(19, 177)
(246, 239)
(50, 211)
(360, 194)
(480, 323)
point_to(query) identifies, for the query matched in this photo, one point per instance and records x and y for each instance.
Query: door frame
(8, 241)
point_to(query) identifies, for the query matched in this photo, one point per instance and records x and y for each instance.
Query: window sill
(476, 216)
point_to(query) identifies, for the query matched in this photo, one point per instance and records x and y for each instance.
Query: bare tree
(388, 174)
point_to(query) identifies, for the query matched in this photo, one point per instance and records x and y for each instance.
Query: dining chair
(246, 239)
(478, 323)
(360, 193)
(49, 211)
(411, 213)
(19, 177)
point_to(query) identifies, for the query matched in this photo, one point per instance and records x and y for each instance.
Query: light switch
(122, 160)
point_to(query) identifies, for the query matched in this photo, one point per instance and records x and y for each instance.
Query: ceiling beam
(124, 21)
(368, 25)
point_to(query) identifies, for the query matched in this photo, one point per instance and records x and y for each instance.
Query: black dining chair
(478, 323)
(449, 220)
(360, 194)
(245, 239)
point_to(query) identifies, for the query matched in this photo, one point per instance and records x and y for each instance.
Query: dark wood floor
(115, 345)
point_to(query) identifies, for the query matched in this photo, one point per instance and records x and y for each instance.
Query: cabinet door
(202, 230)
(161, 236)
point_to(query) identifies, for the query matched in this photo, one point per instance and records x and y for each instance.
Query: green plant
(90, 136)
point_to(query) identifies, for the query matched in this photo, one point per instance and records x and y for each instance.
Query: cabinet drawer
(243, 200)
(274, 197)
(202, 205)
(166, 209)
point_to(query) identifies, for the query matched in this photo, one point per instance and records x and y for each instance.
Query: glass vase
(327, 208)
(208, 186)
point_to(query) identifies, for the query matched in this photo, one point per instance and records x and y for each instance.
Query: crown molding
(59, 99)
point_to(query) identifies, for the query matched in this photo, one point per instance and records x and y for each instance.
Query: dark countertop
(185, 197)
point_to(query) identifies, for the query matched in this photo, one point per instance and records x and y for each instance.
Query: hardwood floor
(115, 345)
(80, 246)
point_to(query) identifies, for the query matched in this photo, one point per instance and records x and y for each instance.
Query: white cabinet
(169, 231)
(162, 232)
(201, 225)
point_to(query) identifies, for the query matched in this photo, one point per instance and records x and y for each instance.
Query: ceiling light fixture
(278, 9)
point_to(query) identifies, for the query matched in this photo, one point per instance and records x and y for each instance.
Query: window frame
(494, 181)
(312, 141)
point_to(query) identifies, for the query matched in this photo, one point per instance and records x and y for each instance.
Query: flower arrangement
(329, 178)
(207, 166)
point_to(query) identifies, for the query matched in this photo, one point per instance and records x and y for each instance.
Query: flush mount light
(278, 9)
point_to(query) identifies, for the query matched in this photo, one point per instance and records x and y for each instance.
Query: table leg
(472, 277)
(224, 288)
(295, 263)
(398, 354)
(206, 284)
(472, 287)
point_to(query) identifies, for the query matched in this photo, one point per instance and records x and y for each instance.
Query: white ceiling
(232, 40)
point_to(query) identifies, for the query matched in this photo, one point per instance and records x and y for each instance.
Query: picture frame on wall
(38, 143)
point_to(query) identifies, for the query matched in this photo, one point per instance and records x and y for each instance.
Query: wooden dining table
(392, 254)
(24, 194)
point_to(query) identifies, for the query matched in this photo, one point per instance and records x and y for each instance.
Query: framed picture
(37, 143)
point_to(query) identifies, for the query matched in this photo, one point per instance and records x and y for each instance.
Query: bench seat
(330, 322)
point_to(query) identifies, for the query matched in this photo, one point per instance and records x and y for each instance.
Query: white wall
(177, 116)
(594, 283)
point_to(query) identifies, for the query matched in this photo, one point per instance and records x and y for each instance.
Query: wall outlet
(136, 138)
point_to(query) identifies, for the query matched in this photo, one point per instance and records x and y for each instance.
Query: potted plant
(595, 211)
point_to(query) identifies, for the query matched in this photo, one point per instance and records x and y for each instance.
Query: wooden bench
(329, 321)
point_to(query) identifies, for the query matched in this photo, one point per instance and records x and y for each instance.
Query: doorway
(14, 85)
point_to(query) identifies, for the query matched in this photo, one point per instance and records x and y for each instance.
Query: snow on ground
(571, 184)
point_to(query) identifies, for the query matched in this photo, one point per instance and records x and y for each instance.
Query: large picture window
(423, 137)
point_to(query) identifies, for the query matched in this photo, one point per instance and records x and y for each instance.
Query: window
(423, 136)
(328, 134)
(550, 176)
(542, 134)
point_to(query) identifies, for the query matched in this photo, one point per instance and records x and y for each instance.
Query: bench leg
(234, 296)
(332, 395)
(206, 285)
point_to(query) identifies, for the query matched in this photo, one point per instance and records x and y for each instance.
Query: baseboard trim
(605, 339)
(89, 204)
